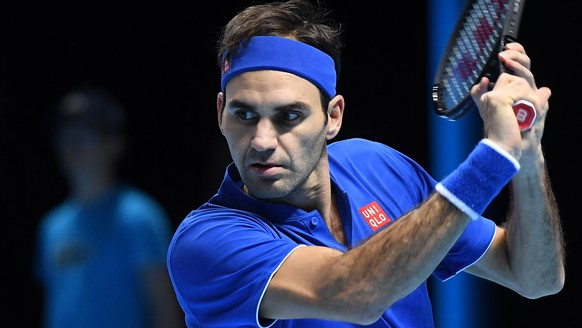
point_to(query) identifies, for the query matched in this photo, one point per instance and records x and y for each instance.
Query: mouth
(266, 169)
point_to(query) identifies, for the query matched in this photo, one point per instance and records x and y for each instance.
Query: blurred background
(158, 58)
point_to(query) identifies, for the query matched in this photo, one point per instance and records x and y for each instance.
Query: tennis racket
(481, 32)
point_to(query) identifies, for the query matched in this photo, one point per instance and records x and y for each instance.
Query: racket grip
(525, 113)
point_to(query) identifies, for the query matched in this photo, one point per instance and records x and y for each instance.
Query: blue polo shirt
(224, 253)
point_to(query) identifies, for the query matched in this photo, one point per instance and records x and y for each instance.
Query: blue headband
(282, 54)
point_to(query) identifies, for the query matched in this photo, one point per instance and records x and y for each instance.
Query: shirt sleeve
(221, 262)
(469, 248)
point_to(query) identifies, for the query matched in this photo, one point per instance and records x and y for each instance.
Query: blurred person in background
(101, 252)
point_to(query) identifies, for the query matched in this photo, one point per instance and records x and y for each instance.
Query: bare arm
(535, 242)
(358, 286)
(528, 253)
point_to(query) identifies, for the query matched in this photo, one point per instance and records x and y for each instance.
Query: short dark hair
(301, 20)
(91, 107)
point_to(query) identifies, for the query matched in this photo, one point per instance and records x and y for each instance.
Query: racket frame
(492, 67)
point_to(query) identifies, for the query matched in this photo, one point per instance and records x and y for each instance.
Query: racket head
(482, 30)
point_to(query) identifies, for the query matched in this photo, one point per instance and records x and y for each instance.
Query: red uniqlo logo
(374, 215)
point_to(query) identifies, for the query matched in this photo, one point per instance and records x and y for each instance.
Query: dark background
(158, 58)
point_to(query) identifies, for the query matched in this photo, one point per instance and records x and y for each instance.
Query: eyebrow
(296, 105)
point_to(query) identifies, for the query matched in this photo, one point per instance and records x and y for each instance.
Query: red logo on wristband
(374, 215)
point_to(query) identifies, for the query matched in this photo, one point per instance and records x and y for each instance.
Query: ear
(219, 109)
(335, 112)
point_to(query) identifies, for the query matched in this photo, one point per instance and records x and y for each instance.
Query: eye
(289, 116)
(246, 115)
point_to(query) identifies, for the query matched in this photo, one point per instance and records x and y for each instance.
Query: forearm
(424, 236)
(535, 246)
(397, 260)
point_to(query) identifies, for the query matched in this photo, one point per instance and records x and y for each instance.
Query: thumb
(479, 89)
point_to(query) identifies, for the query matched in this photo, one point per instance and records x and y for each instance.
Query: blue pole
(455, 302)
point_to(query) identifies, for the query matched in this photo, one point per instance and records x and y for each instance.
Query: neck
(334, 220)
(91, 189)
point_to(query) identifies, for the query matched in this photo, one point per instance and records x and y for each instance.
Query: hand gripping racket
(482, 31)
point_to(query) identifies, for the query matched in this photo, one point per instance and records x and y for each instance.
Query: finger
(518, 64)
(479, 89)
(544, 94)
(516, 46)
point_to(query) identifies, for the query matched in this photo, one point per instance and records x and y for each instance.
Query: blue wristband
(479, 179)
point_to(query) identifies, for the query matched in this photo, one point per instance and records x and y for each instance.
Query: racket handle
(525, 113)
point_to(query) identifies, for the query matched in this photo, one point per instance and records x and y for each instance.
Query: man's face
(276, 132)
(85, 154)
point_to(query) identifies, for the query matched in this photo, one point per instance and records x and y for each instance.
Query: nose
(265, 137)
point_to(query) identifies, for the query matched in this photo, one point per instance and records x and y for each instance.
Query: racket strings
(477, 38)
